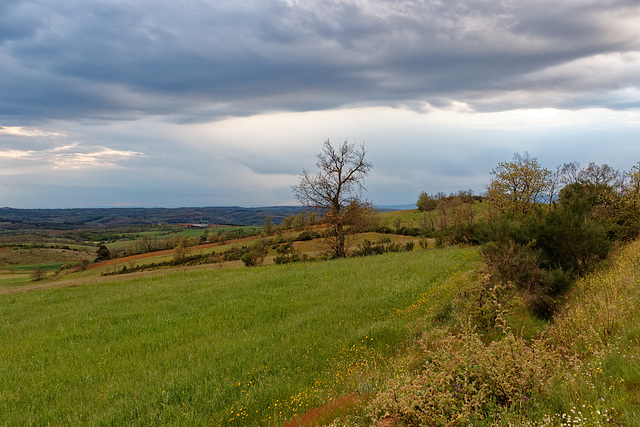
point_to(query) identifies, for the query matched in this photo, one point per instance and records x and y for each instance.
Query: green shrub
(287, 254)
(570, 241)
(256, 254)
(383, 245)
(307, 235)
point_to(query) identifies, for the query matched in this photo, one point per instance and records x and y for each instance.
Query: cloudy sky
(216, 102)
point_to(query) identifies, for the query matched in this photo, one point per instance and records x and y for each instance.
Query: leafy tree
(517, 186)
(397, 223)
(145, 244)
(594, 174)
(426, 202)
(335, 191)
(621, 210)
(632, 182)
(269, 229)
(182, 248)
(103, 253)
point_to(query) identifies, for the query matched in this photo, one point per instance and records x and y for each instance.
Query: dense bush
(465, 381)
(383, 245)
(287, 254)
(307, 235)
(256, 254)
(568, 239)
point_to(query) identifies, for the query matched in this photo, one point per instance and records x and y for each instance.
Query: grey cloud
(197, 61)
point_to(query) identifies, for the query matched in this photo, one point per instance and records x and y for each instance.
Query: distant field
(230, 347)
(17, 264)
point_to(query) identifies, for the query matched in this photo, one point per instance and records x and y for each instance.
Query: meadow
(250, 346)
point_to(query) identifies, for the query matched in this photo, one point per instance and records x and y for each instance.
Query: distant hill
(95, 218)
(389, 208)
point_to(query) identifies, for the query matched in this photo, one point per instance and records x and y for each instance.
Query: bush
(465, 381)
(383, 245)
(256, 254)
(307, 235)
(287, 254)
(571, 241)
(519, 266)
(103, 253)
(512, 263)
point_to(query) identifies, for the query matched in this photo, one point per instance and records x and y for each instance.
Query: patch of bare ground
(325, 414)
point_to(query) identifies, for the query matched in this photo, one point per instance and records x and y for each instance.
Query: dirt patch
(323, 415)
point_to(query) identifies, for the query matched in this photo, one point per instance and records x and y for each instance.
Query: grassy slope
(239, 347)
(599, 332)
(582, 369)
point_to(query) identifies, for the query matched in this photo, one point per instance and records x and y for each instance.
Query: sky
(224, 103)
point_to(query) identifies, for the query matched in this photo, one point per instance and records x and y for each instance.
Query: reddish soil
(328, 412)
(110, 262)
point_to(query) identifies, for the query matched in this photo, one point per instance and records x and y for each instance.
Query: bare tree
(335, 190)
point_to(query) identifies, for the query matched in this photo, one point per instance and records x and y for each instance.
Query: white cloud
(14, 154)
(27, 132)
(103, 158)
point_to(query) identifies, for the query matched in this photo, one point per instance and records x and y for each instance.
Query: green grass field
(230, 347)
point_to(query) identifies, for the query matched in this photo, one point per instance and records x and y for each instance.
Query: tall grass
(244, 347)
(583, 369)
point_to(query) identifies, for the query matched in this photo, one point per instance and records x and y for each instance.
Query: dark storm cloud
(199, 60)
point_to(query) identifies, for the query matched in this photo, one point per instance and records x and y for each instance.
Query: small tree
(269, 228)
(335, 190)
(426, 202)
(397, 223)
(37, 274)
(518, 185)
(182, 248)
(103, 253)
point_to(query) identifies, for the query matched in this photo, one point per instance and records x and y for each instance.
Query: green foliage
(287, 254)
(307, 235)
(103, 253)
(426, 202)
(582, 369)
(269, 227)
(570, 240)
(255, 255)
(383, 245)
(518, 185)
